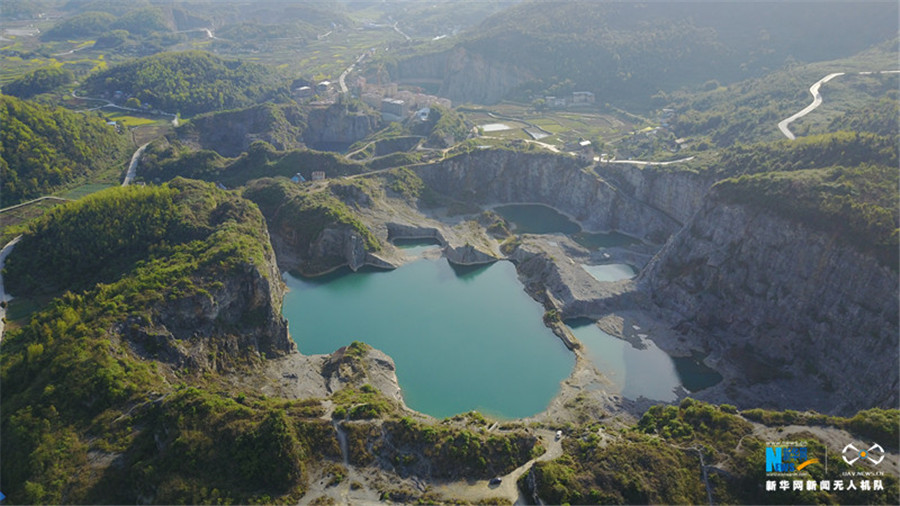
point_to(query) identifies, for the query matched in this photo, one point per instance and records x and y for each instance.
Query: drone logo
(858, 454)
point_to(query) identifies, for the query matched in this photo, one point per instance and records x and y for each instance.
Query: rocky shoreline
(549, 266)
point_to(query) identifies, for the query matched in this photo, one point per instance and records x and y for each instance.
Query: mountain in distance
(630, 51)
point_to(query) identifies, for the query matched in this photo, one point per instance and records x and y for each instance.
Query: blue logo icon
(787, 459)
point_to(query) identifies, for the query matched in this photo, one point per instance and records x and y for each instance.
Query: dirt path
(478, 492)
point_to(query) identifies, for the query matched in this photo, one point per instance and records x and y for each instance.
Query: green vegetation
(83, 25)
(877, 424)
(304, 212)
(749, 110)
(454, 452)
(142, 21)
(189, 83)
(817, 151)
(878, 117)
(78, 378)
(658, 461)
(393, 160)
(635, 470)
(443, 128)
(231, 132)
(629, 52)
(858, 205)
(88, 235)
(39, 81)
(365, 403)
(166, 159)
(406, 183)
(43, 149)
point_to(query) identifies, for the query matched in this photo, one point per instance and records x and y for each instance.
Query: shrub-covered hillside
(698, 453)
(189, 82)
(97, 372)
(44, 148)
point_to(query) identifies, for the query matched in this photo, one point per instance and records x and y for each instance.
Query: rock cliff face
(464, 76)
(335, 247)
(796, 313)
(500, 176)
(238, 317)
(337, 124)
(231, 132)
(678, 193)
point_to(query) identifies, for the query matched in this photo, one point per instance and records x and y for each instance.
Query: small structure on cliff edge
(585, 151)
(318, 175)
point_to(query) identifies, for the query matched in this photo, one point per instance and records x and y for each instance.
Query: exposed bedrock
(463, 76)
(337, 124)
(552, 278)
(791, 310)
(676, 192)
(237, 318)
(502, 176)
(333, 248)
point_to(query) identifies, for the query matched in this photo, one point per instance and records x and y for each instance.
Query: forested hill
(43, 148)
(189, 82)
(632, 50)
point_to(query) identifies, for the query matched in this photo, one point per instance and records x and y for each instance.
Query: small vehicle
(496, 480)
(558, 435)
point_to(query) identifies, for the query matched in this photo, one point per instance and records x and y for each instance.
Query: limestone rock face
(464, 76)
(468, 255)
(337, 124)
(235, 319)
(791, 308)
(335, 247)
(677, 193)
(365, 365)
(502, 176)
(231, 132)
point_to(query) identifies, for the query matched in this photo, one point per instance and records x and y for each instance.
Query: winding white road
(642, 162)
(342, 79)
(5, 297)
(817, 100)
(107, 103)
(132, 168)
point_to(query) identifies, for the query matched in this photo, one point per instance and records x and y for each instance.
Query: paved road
(132, 168)
(23, 204)
(817, 100)
(5, 297)
(107, 103)
(641, 162)
(342, 79)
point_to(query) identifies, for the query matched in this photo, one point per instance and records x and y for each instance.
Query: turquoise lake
(462, 339)
(648, 372)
